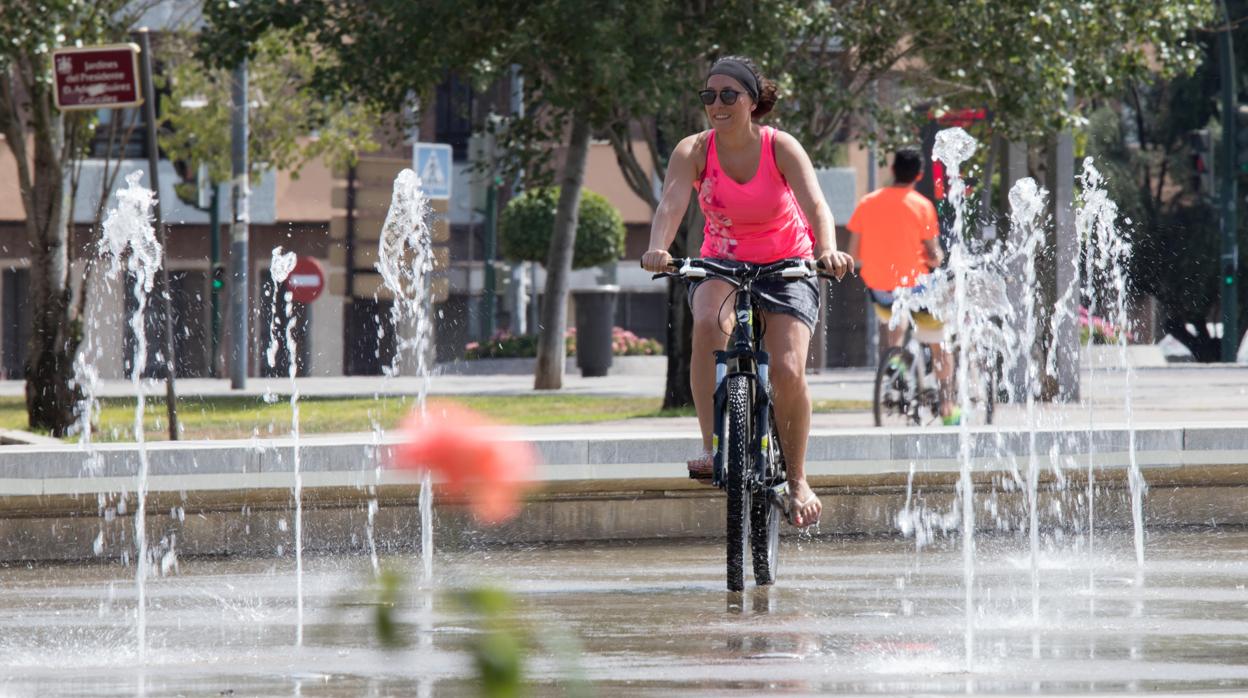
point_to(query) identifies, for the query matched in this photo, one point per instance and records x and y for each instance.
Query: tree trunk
(51, 394)
(677, 392)
(551, 353)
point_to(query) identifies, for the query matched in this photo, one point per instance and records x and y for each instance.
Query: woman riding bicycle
(757, 189)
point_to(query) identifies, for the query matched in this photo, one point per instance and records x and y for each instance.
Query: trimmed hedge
(528, 221)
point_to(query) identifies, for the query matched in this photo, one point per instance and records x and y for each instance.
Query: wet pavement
(849, 615)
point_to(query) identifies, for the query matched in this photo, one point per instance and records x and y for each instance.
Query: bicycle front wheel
(738, 434)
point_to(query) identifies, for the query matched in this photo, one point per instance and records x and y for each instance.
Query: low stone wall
(60, 502)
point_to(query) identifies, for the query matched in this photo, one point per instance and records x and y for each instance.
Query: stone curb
(235, 497)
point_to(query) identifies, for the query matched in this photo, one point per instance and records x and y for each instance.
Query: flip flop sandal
(702, 468)
(791, 508)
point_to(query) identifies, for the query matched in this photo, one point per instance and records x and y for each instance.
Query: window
(454, 111)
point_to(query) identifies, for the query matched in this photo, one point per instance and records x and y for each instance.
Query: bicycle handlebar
(698, 268)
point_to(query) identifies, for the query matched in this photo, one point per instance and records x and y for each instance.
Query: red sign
(306, 280)
(97, 77)
(960, 117)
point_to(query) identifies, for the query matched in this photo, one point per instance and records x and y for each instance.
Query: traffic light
(218, 277)
(1201, 143)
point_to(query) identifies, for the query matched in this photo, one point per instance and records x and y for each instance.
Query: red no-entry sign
(97, 77)
(306, 280)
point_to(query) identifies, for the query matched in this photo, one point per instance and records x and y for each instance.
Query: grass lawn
(242, 417)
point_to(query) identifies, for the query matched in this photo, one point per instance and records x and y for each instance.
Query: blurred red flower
(470, 456)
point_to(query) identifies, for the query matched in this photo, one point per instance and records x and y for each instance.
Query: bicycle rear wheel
(766, 515)
(897, 385)
(737, 438)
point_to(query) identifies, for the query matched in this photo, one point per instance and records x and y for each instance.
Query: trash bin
(595, 318)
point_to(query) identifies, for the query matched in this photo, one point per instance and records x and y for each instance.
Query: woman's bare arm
(796, 167)
(677, 186)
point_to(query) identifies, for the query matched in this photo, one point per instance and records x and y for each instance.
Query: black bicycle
(748, 460)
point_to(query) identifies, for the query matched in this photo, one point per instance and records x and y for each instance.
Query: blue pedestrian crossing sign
(432, 162)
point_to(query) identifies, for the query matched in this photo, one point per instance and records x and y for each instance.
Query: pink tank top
(758, 221)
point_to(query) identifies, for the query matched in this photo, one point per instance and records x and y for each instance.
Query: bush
(528, 220)
(505, 345)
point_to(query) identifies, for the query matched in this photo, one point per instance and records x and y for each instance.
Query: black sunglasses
(727, 95)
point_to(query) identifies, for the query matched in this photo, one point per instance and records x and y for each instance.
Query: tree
(576, 58)
(46, 174)
(845, 64)
(627, 70)
(526, 223)
(289, 123)
(1175, 228)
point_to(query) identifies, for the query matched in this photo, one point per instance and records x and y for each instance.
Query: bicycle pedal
(778, 493)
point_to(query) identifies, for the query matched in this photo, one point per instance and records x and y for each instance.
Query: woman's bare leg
(712, 323)
(787, 341)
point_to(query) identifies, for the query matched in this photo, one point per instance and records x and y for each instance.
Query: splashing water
(1107, 251)
(128, 240)
(405, 262)
(1028, 203)
(953, 147)
(87, 378)
(974, 302)
(280, 265)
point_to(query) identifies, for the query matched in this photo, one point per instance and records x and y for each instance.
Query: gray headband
(739, 72)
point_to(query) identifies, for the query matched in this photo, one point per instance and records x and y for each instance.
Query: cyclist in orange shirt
(895, 235)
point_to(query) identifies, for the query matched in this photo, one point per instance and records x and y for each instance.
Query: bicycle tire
(896, 373)
(737, 437)
(765, 518)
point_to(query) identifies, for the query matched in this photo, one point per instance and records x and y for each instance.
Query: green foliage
(289, 122)
(528, 220)
(390, 586)
(1175, 231)
(498, 652)
(638, 62)
(1019, 59)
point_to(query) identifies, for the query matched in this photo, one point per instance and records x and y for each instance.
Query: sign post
(153, 159)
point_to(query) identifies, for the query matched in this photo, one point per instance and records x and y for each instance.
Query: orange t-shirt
(891, 224)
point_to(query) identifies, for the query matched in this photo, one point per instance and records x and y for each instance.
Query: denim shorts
(799, 298)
